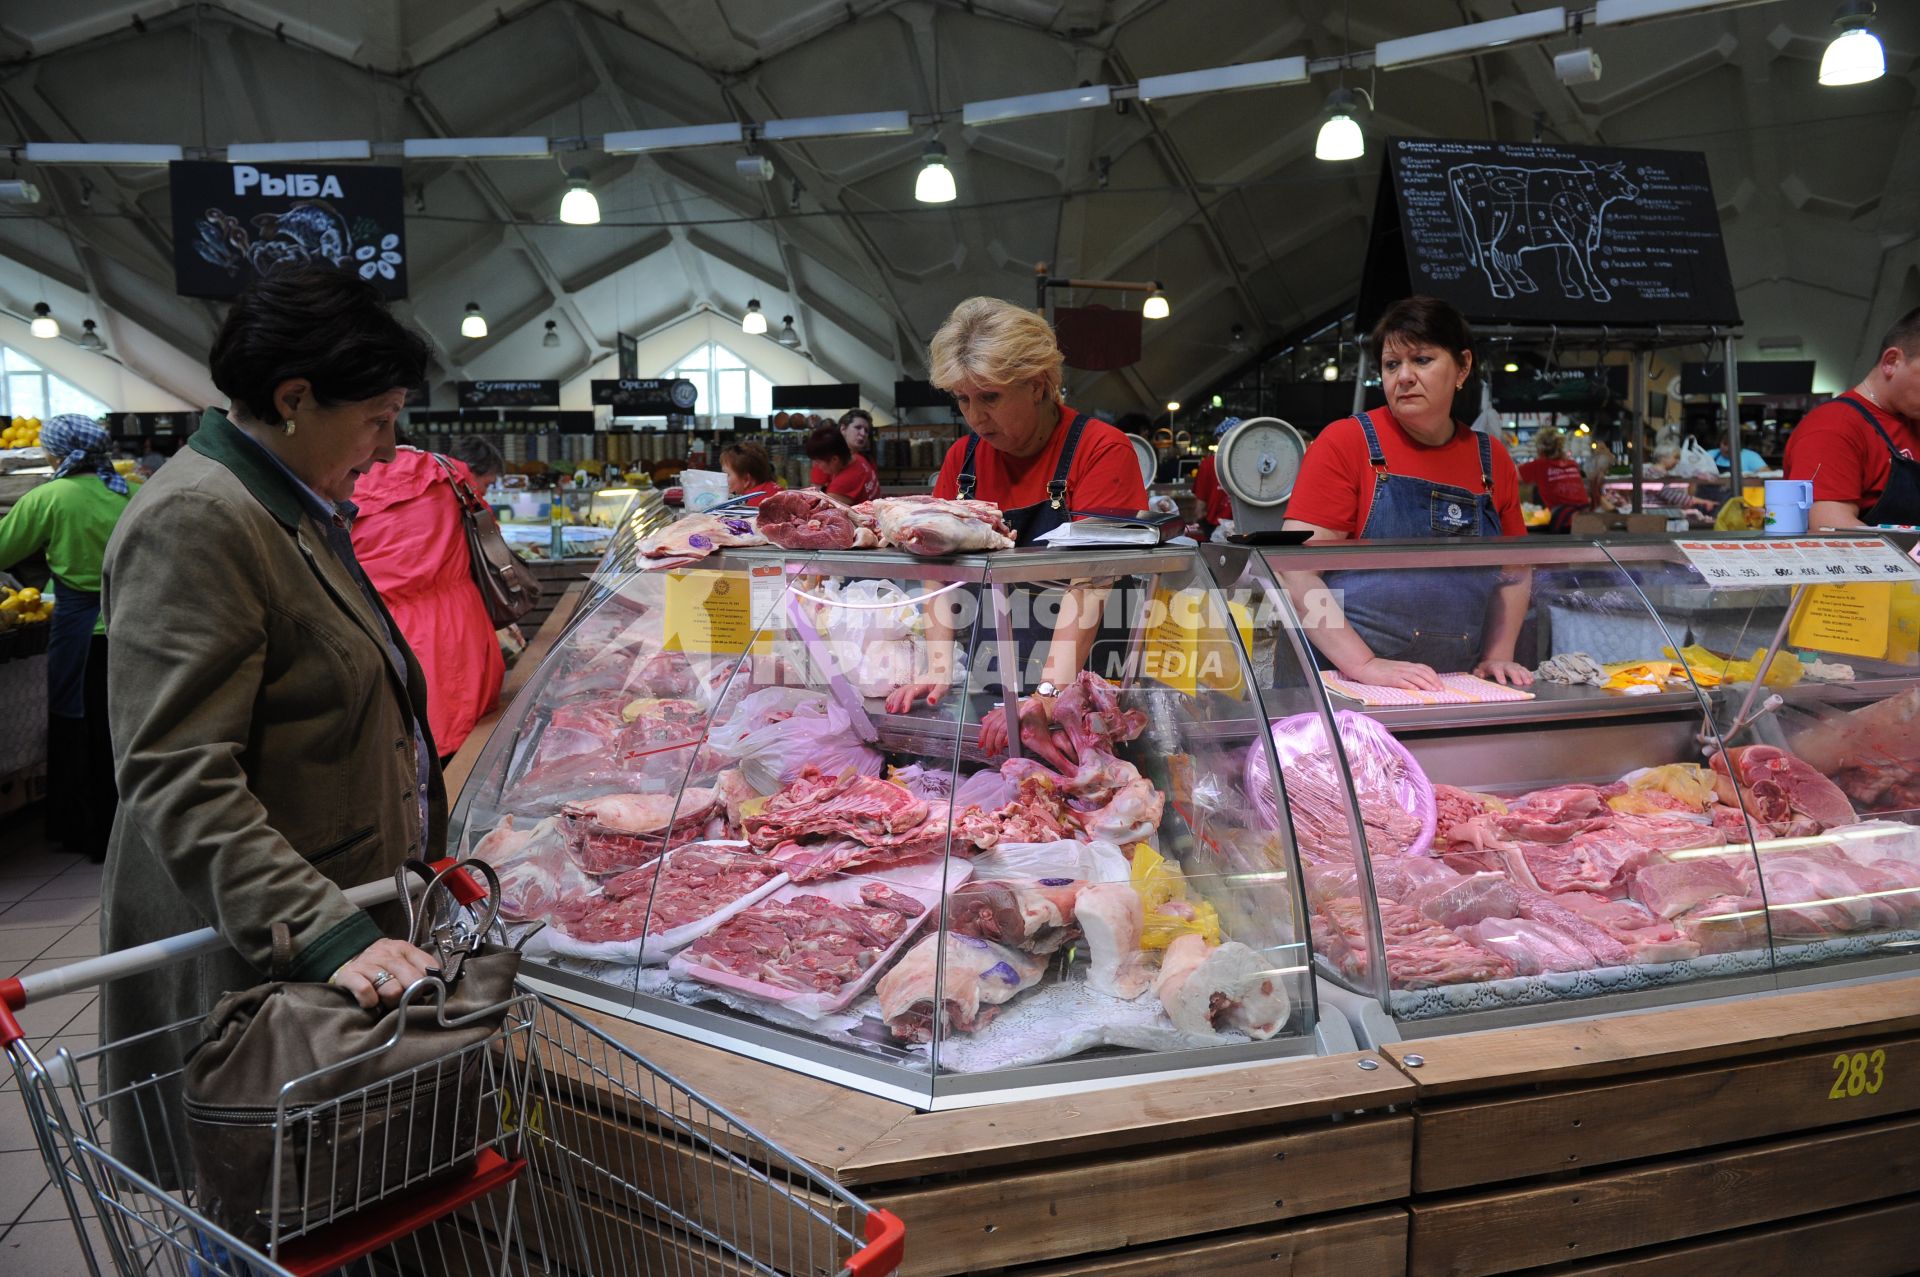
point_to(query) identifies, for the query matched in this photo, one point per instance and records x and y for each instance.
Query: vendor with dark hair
(269, 721)
(749, 472)
(1410, 470)
(838, 469)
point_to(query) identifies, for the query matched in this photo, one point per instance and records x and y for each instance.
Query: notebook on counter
(1461, 689)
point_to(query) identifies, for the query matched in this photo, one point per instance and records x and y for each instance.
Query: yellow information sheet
(708, 611)
(1189, 644)
(1848, 620)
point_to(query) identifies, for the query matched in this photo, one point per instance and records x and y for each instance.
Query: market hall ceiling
(1219, 196)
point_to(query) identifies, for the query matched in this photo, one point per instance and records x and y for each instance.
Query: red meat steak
(808, 519)
(691, 884)
(807, 943)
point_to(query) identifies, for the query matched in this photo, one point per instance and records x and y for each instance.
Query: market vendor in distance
(1031, 455)
(1412, 471)
(837, 469)
(1862, 449)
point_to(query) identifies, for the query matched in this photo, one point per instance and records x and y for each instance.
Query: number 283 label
(1858, 1073)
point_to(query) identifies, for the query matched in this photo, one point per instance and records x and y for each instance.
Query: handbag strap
(470, 501)
(430, 920)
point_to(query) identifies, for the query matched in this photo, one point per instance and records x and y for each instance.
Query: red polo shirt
(1335, 488)
(1105, 474)
(1843, 456)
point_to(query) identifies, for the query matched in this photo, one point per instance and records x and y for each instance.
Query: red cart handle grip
(886, 1246)
(13, 997)
(465, 888)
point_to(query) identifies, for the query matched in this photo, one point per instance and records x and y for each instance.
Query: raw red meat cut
(1466, 900)
(1832, 895)
(1394, 878)
(1421, 953)
(968, 976)
(1455, 806)
(1726, 924)
(1038, 813)
(1533, 948)
(1206, 989)
(1648, 938)
(1548, 910)
(809, 519)
(624, 831)
(1393, 793)
(1034, 915)
(685, 886)
(536, 873)
(1671, 888)
(1872, 753)
(1781, 790)
(819, 825)
(926, 525)
(807, 943)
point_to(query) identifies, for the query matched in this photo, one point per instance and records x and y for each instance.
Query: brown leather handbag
(378, 1101)
(507, 585)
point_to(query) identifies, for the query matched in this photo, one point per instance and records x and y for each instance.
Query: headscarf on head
(81, 443)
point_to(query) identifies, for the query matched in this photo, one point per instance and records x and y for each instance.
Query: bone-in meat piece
(1111, 917)
(698, 535)
(1033, 915)
(1228, 987)
(932, 525)
(809, 519)
(972, 976)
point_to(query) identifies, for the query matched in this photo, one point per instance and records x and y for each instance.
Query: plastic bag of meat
(867, 627)
(776, 732)
(930, 526)
(809, 519)
(1396, 798)
(1068, 858)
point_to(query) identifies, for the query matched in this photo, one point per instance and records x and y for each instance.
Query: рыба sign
(232, 222)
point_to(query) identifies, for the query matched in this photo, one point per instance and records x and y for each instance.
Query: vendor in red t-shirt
(856, 427)
(1411, 471)
(1216, 507)
(1862, 449)
(1556, 478)
(749, 472)
(1035, 458)
(838, 470)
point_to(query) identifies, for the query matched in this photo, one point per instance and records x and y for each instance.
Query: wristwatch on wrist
(1046, 689)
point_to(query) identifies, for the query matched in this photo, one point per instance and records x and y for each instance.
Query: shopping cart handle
(467, 889)
(886, 1246)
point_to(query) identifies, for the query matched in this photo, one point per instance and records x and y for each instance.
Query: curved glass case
(1711, 786)
(704, 798)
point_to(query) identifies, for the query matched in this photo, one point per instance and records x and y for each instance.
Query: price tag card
(1812, 560)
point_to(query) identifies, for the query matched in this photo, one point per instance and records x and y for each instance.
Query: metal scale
(1258, 461)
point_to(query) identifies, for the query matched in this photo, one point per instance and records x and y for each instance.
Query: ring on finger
(381, 977)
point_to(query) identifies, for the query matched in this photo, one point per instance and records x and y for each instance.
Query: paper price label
(1745, 565)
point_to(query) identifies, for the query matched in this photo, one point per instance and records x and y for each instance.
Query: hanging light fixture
(1155, 307)
(1237, 339)
(1331, 372)
(474, 324)
(1855, 55)
(578, 207)
(1510, 366)
(788, 337)
(89, 339)
(935, 183)
(44, 325)
(1340, 136)
(552, 340)
(1173, 406)
(753, 323)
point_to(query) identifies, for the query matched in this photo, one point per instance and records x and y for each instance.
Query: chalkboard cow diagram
(1506, 212)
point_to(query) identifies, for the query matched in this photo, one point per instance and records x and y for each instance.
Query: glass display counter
(704, 798)
(1709, 789)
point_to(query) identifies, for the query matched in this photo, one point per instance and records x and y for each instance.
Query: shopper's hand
(399, 961)
(931, 687)
(1411, 675)
(1511, 673)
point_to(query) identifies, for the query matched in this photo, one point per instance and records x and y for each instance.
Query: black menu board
(1548, 234)
(143, 425)
(235, 222)
(647, 396)
(509, 394)
(843, 395)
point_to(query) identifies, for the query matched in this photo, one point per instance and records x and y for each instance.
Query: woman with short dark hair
(749, 472)
(269, 722)
(838, 469)
(1410, 470)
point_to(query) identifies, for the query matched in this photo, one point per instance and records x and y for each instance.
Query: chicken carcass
(966, 976)
(1208, 990)
(1112, 917)
(926, 525)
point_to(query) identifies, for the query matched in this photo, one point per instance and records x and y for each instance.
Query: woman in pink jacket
(410, 539)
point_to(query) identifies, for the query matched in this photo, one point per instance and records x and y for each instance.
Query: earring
(292, 425)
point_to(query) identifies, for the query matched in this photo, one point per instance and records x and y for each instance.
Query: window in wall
(28, 390)
(729, 386)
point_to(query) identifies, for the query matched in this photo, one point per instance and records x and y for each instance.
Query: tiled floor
(49, 916)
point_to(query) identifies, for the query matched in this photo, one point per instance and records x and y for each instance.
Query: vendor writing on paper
(1410, 470)
(1862, 449)
(1034, 457)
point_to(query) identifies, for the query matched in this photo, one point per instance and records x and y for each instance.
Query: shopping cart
(582, 1159)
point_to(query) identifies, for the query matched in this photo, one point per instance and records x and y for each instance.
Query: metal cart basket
(578, 1158)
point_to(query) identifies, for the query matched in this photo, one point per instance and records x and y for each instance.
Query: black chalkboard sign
(647, 396)
(509, 394)
(1559, 389)
(841, 395)
(145, 425)
(1548, 234)
(1756, 377)
(911, 392)
(233, 222)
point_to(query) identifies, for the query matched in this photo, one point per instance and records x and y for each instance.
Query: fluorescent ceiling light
(1248, 75)
(1433, 45)
(871, 124)
(935, 184)
(475, 148)
(19, 191)
(998, 109)
(1608, 13)
(100, 153)
(297, 152)
(640, 141)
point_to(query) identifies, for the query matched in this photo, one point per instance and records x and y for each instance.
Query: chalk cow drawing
(1506, 212)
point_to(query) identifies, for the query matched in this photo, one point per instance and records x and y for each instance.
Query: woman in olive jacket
(269, 723)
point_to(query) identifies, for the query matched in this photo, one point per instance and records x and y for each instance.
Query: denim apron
(1900, 500)
(1434, 616)
(68, 639)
